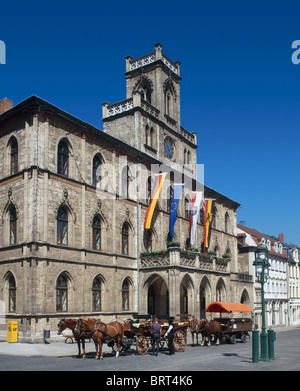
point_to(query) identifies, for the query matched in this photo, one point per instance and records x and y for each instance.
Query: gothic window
(169, 99)
(147, 135)
(125, 182)
(97, 171)
(12, 225)
(227, 222)
(97, 294)
(13, 156)
(97, 233)
(125, 295)
(11, 293)
(149, 189)
(62, 226)
(168, 103)
(63, 159)
(187, 208)
(215, 217)
(125, 239)
(202, 216)
(148, 241)
(145, 90)
(150, 139)
(169, 198)
(62, 293)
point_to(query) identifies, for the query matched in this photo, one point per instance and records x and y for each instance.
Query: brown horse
(102, 332)
(212, 328)
(207, 329)
(194, 326)
(78, 336)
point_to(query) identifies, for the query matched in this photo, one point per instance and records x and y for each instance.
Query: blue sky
(240, 90)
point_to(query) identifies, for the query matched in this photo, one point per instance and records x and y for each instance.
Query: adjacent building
(276, 288)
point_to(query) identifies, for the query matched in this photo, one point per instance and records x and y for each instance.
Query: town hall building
(73, 200)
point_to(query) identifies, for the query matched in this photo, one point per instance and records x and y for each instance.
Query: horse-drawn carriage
(122, 335)
(232, 328)
(138, 332)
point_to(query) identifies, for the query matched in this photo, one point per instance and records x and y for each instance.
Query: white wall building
(276, 287)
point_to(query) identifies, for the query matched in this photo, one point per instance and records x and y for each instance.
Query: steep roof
(257, 236)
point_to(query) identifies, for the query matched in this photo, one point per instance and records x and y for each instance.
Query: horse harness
(96, 329)
(204, 327)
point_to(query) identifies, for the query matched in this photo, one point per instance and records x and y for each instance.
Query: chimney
(281, 237)
(5, 104)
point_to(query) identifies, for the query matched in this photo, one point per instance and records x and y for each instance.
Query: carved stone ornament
(67, 204)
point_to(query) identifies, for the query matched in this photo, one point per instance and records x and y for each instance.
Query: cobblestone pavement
(226, 357)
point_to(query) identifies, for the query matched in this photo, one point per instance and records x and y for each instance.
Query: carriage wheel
(232, 339)
(179, 341)
(243, 337)
(142, 345)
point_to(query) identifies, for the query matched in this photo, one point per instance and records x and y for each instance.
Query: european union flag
(177, 190)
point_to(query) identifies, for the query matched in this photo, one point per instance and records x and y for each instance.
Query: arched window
(11, 293)
(202, 216)
(147, 135)
(12, 225)
(148, 241)
(145, 90)
(62, 293)
(187, 208)
(227, 222)
(169, 99)
(125, 239)
(62, 226)
(63, 159)
(97, 233)
(152, 138)
(125, 182)
(149, 189)
(13, 156)
(96, 171)
(125, 295)
(96, 294)
(169, 198)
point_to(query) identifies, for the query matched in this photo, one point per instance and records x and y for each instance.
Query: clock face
(169, 148)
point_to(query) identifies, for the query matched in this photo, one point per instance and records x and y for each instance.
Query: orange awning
(219, 306)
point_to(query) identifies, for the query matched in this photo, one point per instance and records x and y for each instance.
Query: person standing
(170, 333)
(156, 333)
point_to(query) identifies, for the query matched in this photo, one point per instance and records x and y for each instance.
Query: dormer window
(262, 241)
(276, 247)
(280, 248)
(269, 244)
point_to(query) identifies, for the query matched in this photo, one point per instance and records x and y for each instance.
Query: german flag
(159, 180)
(209, 212)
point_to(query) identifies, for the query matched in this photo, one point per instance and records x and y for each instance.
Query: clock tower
(149, 118)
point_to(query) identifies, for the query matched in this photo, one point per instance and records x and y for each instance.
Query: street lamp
(261, 264)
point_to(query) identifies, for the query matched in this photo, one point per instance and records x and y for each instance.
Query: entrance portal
(158, 297)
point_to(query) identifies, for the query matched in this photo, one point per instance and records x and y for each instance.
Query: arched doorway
(186, 296)
(245, 299)
(158, 296)
(221, 290)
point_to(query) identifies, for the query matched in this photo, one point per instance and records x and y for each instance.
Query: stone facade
(72, 243)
